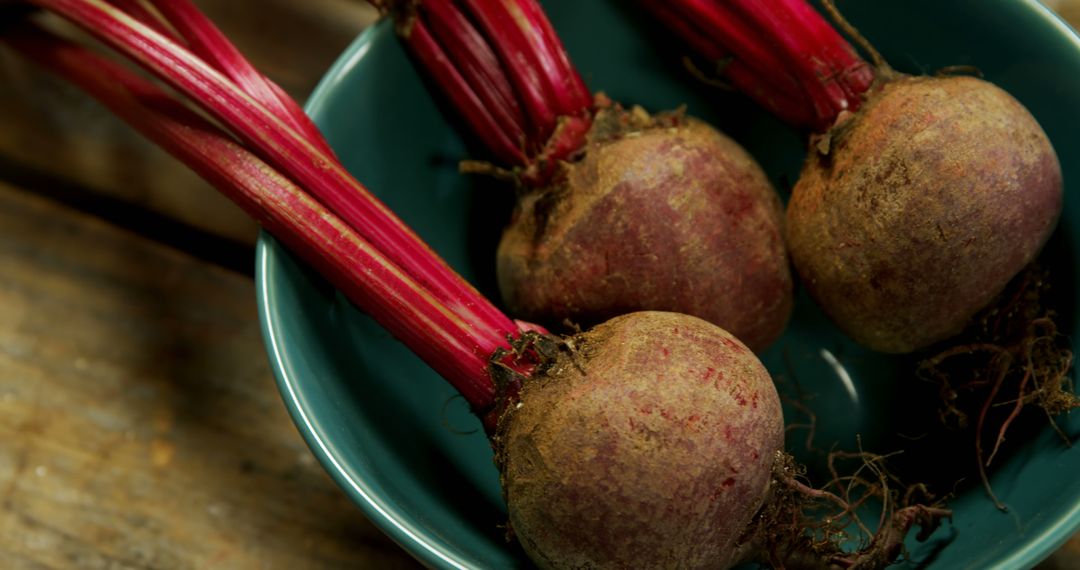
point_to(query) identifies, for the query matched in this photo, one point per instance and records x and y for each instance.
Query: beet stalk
(443, 335)
(920, 198)
(618, 210)
(273, 140)
(206, 41)
(667, 389)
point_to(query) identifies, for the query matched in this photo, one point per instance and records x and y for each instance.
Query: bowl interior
(405, 448)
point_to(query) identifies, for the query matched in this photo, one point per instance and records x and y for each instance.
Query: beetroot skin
(918, 209)
(649, 444)
(672, 218)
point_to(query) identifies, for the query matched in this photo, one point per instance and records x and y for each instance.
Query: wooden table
(140, 421)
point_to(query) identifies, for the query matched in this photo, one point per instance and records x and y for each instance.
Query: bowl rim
(384, 516)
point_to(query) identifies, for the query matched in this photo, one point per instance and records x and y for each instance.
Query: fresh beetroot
(676, 218)
(653, 438)
(930, 199)
(639, 395)
(619, 211)
(921, 197)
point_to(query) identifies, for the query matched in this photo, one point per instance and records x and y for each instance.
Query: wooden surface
(52, 127)
(140, 423)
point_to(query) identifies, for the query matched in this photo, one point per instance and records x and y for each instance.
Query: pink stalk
(277, 143)
(183, 23)
(719, 21)
(781, 42)
(845, 66)
(206, 41)
(778, 93)
(826, 97)
(477, 60)
(140, 10)
(507, 47)
(488, 105)
(564, 82)
(520, 64)
(442, 336)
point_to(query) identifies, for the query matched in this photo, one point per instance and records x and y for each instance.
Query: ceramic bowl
(401, 444)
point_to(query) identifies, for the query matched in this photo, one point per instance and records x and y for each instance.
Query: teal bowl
(404, 447)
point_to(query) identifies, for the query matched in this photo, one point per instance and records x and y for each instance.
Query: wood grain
(1069, 10)
(140, 422)
(52, 127)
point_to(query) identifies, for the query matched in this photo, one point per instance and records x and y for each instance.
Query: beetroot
(676, 218)
(928, 201)
(619, 211)
(641, 395)
(920, 198)
(654, 440)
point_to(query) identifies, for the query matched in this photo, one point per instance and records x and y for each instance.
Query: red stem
(703, 44)
(520, 67)
(719, 21)
(853, 74)
(292, 153)
(507, 48)
(795, 49)
(454, 52)
(767, 89)
(565, 83)
(442, 337)
(183, 23)
(138, 9)
(206, 41)
(784, 43)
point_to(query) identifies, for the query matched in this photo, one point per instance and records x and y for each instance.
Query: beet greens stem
(781, 100)
(799, 67)
(140, 10)
(504, 70)
(488, 104)
(563, 80)
(206, 41)
(293, 154)
(182, 22)
(441, 337)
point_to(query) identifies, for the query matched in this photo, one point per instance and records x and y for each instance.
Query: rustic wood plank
(1066, 558)
(140, 422)
(1069, 10)
(52, 127)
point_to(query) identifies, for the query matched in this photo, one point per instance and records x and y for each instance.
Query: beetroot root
(670, 217)
(912, 214)
(649, 443)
